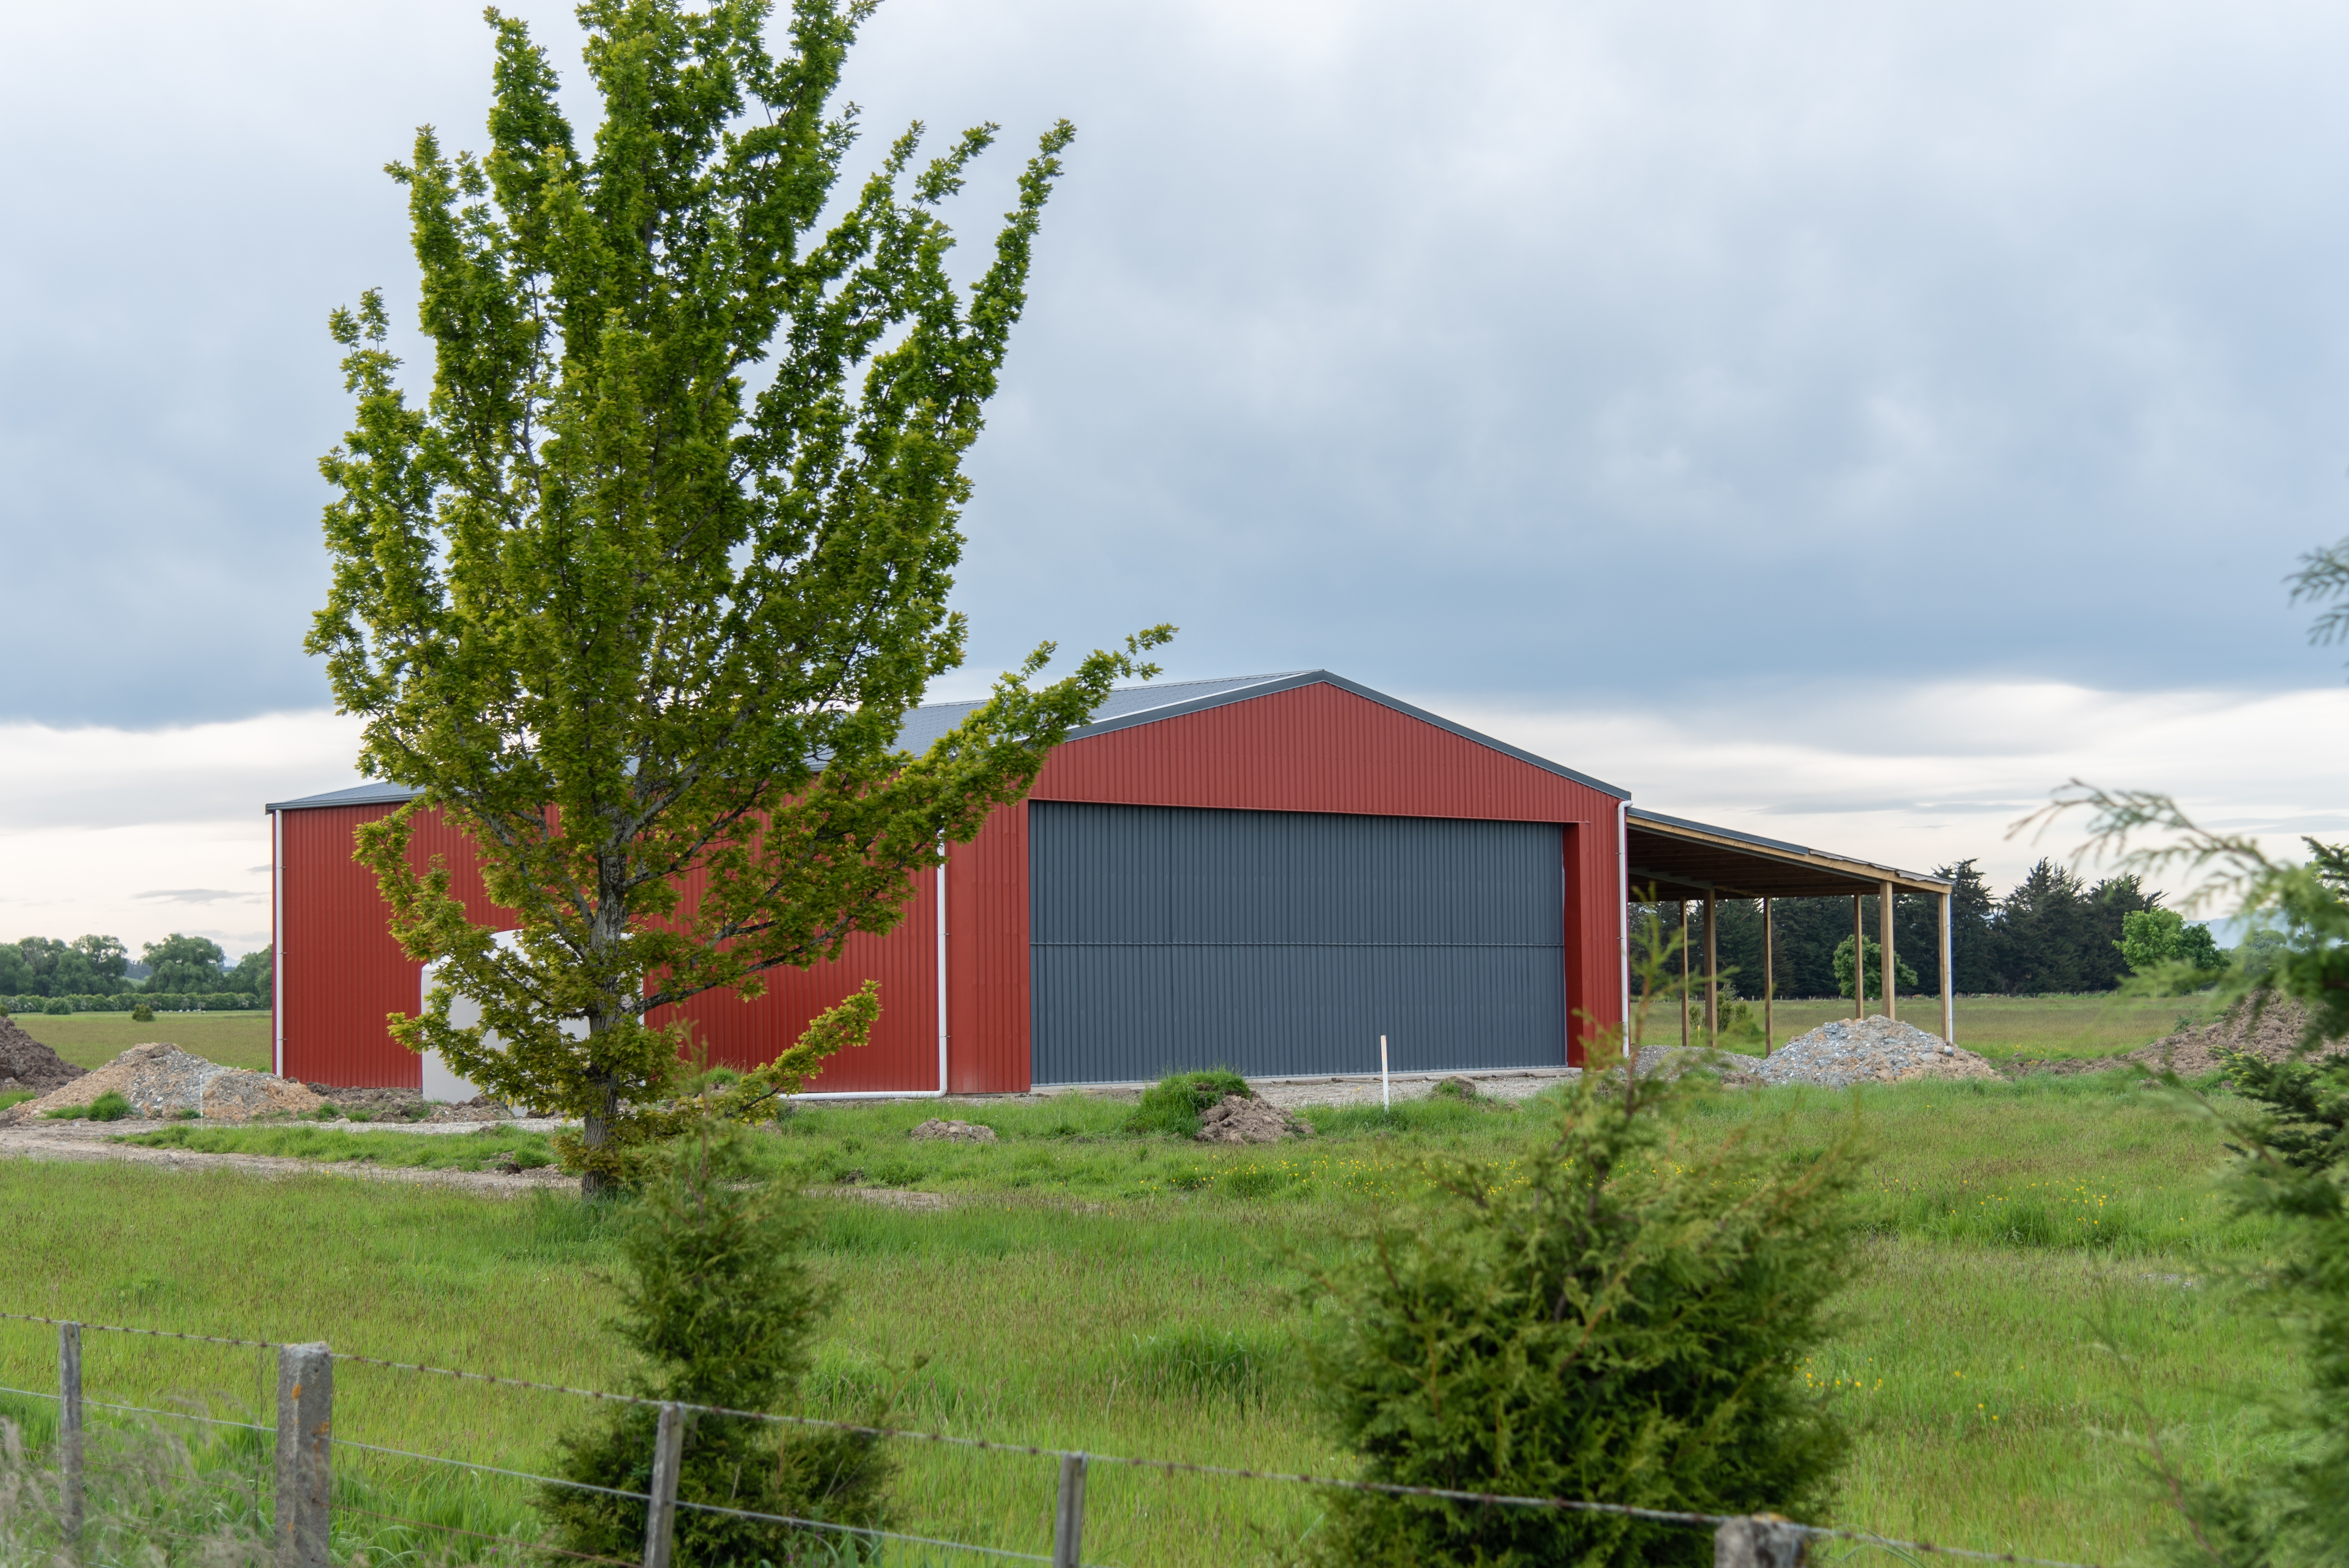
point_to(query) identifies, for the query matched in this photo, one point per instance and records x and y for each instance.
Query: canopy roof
(1681, 859)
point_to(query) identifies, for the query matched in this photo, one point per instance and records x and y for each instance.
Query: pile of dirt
(162, 1080)
(26, 1062)
(481, 1108)
(1875, 1050)
(1243, 1118)
(383, 1104)
(409, 1105)
(954, 1131)
(2273, 1035)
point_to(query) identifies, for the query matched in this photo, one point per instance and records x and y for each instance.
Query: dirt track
(86, 1142)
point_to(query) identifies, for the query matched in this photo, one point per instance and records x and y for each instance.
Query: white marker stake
(1385, 1101)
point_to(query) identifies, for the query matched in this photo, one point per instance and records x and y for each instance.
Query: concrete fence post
(1765, 1540)
(1068, 1513)
(69, 1462)
(306, 1473)
(661, 1513)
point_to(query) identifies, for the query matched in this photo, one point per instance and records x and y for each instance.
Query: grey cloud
(1618, 351)
(198, 896)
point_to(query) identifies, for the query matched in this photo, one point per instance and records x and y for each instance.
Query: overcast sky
(1847, 421)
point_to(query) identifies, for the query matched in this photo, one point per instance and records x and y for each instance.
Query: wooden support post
(1886, 901)
(69, 1459)
(1767, 1541)
(1949, 983)
(305, 1415)
(1068, 1513)
(1711, 971)
(1858, 961)
(1769, 980)
(1684, 975)
(661, 1513)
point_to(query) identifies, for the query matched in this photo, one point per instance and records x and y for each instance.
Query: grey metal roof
(1674, 852)
(358, 795)
(1121, 709)
(926, 724)
(1643, 814)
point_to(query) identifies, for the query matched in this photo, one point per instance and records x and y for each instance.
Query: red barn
(1267, 873)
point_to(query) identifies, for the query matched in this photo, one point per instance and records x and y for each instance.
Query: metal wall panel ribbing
(1320, 749)
(1286, 941)
(903, 1053)
(343, 972)
(986, 957)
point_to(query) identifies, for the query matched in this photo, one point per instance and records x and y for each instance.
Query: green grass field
(2000, 1027)
(94, 1039)
(2034, 1288)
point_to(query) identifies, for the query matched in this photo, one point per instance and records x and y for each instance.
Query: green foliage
(184, 963)
(1621, 1315)
(142, 1014)
(1903, 976)
(1174, 1103)
(108, 1107)
(44, 966)
(718, 1300)
(626, 621)
(59, 1006)
(2168, 955)
(2292, 1165)
(254, 974)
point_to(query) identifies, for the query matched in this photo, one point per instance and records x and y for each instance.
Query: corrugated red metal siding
(1321, 748)
(987, 957)
(904, 1051)
(343, 971)
(1313, 749)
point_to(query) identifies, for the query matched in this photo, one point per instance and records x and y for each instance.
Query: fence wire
(1446, 1494)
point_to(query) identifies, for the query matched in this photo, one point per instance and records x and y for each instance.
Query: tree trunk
(597, 1133)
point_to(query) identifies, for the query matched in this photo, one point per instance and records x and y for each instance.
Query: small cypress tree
(2292, 1165)
(1619, 1317)
(718, 1299)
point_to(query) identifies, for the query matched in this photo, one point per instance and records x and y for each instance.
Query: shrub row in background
(163, 1002)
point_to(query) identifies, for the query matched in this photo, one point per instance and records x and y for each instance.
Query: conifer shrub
(142, 1014)
(1173, 1104)
(717, 1297)
(2292, 1508)
(1618, 1315)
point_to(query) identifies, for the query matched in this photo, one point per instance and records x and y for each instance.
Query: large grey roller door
(1287, 941)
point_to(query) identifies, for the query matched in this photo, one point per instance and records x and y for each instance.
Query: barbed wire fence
(303, 1505)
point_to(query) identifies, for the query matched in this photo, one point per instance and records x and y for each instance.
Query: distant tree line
(99, 966)
(2053, 932)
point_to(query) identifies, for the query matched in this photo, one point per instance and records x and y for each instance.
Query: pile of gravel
(1874, 1050)
(26, 1064)
(162, 1080)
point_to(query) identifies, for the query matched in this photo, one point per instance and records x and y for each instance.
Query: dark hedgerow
(1621, 1316)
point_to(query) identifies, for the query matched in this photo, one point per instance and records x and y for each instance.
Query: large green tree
(639, 594)
(182, 964)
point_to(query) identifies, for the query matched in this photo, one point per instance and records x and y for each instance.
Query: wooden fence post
(1765, 1540)
(305, 1472)
(1068, 1515)
(70, 1470)
(661, 1513)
